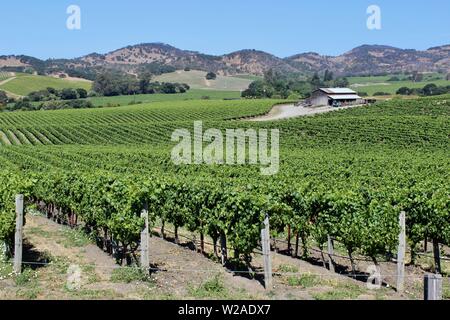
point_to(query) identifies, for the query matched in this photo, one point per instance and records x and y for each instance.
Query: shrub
(68, 94)
(82, 93)
(404, 91)
(3, 98)
(128, 275)
(380, 93)
(211, 288)
(304, 281)
(211, 76)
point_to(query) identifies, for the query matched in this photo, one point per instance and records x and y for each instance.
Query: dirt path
(52, 250)
(286, 111)
(10, 94)
(7, 80)
(296, 279)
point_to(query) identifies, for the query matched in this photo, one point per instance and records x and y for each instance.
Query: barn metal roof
(338, 90)
(344, 96)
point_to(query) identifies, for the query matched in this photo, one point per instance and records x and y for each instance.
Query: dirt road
(286, 111)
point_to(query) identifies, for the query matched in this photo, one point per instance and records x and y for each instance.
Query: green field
(196, 79)
(24, 84)
(248, 77)
(192, 94)
(371, 85)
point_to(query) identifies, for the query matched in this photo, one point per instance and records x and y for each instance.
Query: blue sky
(281, 27)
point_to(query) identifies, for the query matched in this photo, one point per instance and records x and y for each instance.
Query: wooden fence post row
(265, 242)
(18, 239)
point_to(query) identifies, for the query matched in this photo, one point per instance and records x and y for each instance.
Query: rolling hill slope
(197, 80)
(365, 59)
(24, 84)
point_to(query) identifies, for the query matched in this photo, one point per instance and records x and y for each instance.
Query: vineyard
(347, 174)
(5, 75)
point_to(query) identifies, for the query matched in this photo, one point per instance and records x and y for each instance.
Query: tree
(168, 88)
(430, 89)
(3, 98)
(52, 90)
(416, 76)
(82, 93)
(144, 82)
(68, 94)
(258, 89)
(211, 76)
(448, 77)
(341, 83)
(272, 77)
(328, 76)
(404, 91)
(107, 84)
(315, 81)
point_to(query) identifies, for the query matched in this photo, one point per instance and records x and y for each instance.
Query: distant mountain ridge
(363, 60)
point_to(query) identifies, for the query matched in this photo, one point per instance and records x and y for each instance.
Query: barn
(335, 97)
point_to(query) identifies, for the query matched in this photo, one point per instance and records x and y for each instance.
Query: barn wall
(319, 99)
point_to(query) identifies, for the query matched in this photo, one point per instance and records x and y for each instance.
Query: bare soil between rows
(180, 272)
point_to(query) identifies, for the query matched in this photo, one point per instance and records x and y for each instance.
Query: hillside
(374, 59)
(197, 80)
(366, 59)
(21, 84)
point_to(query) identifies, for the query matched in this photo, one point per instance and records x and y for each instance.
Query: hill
(376, 59)
(24, 84)
(161, 58)
(197, 80)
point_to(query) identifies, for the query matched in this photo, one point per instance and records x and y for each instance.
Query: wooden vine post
(401, 253)
(437, 257)
(223, 247)
(145, 238)
(265, 242)
(433, 287)
(19, 235)
(330, 254)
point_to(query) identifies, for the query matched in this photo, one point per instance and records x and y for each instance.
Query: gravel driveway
(287, 111)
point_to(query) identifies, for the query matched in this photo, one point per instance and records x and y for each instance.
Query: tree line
(109, 83)
(430, 89)
(115, 84)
